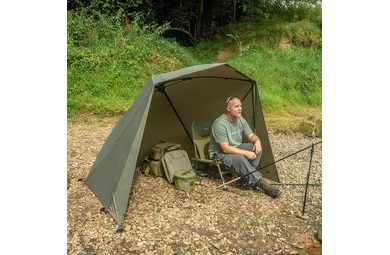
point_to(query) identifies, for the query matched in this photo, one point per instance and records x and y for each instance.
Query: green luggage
(185, 180)
(155, 160)
(159, 149)
(155, 168)
(178, 170)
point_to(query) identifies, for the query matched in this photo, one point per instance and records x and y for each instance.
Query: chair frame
(201, 154)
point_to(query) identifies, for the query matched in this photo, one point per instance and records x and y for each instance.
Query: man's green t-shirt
(223, 130)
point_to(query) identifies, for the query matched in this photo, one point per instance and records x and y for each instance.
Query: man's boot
(268, 189)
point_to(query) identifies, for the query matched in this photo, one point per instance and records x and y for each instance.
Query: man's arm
(228, 149)
(253, 138)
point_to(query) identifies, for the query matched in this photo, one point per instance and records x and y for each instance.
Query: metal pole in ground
(307, 179)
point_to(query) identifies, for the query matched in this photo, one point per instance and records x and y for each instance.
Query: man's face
(234, 108)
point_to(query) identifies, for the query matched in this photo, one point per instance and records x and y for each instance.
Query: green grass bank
(108, 63)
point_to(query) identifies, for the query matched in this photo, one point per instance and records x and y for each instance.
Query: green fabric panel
(270, 172)
(191, 71)
(121, 195)
(120, 148)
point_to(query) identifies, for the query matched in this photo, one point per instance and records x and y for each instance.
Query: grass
(108, 65)
(284, 57)
(289, 83)
(286, 77)
(276, 31)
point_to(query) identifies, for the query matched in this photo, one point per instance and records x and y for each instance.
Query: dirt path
(224, 54)
(206, 221)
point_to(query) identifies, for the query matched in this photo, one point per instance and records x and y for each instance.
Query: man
(226, 145)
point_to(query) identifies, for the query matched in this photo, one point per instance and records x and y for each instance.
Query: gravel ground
(163, 220)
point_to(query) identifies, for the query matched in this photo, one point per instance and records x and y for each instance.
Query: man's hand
(250, 155)
(256, 143)
(257, 147)
(226, 148)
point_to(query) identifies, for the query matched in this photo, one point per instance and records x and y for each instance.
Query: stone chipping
(208, 220)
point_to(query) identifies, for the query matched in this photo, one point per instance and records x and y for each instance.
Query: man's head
(233, 107)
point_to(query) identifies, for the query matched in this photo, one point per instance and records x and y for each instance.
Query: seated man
(226, 145)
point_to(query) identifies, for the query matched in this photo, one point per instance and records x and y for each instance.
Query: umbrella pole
(307, 179)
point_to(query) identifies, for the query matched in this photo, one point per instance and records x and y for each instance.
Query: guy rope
(292, 154)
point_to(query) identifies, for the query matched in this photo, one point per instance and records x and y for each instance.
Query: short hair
(231, 98)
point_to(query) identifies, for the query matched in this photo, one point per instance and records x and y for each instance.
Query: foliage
(108, 65)
(285, 76)
(282, 55)
(277, 31)
(111, 58)
(199, 19)
(120, 8)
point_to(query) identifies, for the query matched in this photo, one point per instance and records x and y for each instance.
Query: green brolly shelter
(164, 110)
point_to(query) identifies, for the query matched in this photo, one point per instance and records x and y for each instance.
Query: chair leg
(223, 179)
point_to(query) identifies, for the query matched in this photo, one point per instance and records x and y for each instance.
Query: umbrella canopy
(165, 110)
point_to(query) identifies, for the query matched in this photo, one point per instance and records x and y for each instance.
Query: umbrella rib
(176, 113)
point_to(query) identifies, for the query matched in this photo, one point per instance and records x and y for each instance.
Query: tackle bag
(155, 160)
(179, 171)
(159, 149)
(185, 180)
(155, 168)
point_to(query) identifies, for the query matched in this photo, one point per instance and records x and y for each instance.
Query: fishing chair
(201, 139)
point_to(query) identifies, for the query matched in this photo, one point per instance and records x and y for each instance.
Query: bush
(108, 65)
